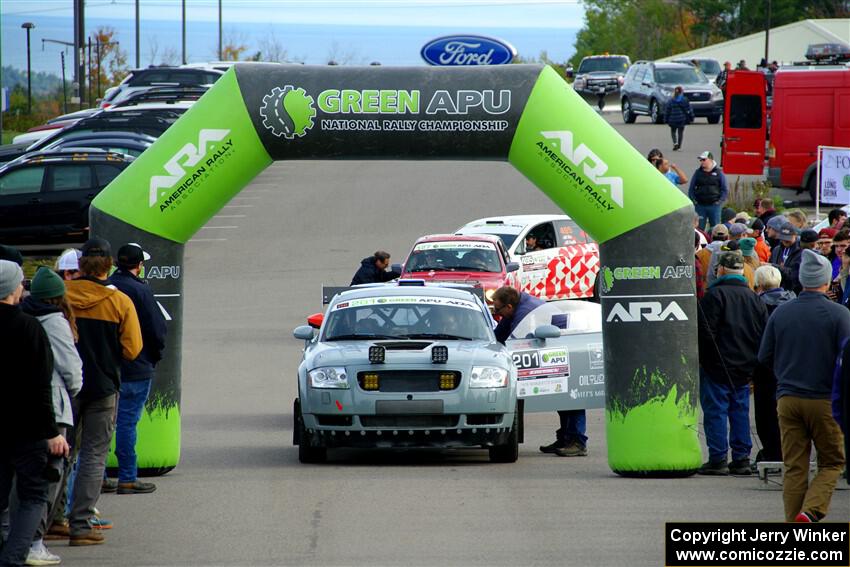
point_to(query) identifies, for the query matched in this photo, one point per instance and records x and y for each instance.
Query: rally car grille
(402, 421)
(409, 380)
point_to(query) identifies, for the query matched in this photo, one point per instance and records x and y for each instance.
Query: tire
(509, 452)
(713, 119)
(655, 112)
(628, 116)
(307, 454)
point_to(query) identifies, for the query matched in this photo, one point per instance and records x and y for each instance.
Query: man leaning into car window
(374, 269)
(513, 306)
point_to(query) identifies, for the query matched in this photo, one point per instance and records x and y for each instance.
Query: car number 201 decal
(542, 363)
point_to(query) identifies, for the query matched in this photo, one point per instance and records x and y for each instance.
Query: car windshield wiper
(435, 269)
(436, 336)
(359, 337)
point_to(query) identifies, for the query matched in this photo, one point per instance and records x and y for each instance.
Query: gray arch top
(525, 114)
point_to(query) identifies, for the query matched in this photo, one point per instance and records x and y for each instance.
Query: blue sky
(480, 13)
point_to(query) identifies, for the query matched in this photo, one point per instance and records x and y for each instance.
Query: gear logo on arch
(288, 112)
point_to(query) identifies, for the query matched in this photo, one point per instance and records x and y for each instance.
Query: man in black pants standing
(27, 425)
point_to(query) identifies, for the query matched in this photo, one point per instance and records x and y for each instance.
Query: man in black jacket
(731, 320)
(708, 190)
(27, 425)
(374, 269)
(786, 257)
(136, 375)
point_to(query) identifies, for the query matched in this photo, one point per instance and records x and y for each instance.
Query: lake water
(310, 43)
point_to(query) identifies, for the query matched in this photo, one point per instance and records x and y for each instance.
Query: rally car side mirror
(547, 332)
(304, 333)
(512, 267)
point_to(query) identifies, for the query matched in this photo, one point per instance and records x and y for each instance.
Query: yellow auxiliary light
(370, 381)
(447, 381)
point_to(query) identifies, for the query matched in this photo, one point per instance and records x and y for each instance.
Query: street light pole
(219, 30)
(28, 26)
(184, 31)
(137, 34)
(767, 35)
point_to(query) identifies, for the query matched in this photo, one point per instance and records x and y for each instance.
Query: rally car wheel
(307, 453)
(509, 452)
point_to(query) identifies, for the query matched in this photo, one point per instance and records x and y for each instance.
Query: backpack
(840, 396)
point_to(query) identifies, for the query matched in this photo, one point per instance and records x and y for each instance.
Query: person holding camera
(28, 431)
(47, 303)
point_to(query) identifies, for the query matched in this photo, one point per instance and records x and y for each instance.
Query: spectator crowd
(774, 323)
(80, 343)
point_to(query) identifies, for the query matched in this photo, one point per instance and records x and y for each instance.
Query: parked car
(145, 79)
(407, 364)
(649, 85)
(600, 73)
(480, 260)
(151, 119)
(46, 195)
(128, 143)
(565, 268)
(709, 66)
(166, 95)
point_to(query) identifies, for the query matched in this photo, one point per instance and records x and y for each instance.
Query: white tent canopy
(788, 43)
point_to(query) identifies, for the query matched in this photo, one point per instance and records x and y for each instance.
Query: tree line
(652, 29)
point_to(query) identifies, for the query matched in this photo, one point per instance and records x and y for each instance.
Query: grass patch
(33, 263)
(8, 135)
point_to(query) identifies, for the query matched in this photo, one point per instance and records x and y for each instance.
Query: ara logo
(190, 155)
(636, 311)
(594, 167)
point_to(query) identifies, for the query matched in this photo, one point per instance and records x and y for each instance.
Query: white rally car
(565, 268)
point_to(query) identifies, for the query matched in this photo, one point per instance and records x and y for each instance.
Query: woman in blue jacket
(677, 115)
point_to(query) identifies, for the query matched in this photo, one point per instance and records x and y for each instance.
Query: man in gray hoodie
(801, 344)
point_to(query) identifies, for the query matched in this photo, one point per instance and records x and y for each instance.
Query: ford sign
(467, 50)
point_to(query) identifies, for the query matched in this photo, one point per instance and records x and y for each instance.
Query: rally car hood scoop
(404, 345)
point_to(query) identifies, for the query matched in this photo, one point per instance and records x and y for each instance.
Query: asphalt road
(239, 495)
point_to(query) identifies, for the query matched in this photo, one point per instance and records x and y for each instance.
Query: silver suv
(600, 74)
(648, 87)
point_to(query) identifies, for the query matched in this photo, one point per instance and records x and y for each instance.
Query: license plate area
(408, 407)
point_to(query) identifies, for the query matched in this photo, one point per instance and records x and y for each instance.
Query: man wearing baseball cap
(731, 319)
(762, 249)
(708, 190)
(136, 375)
(801, 343)
(109, 333)
(825, 236)
(786, 257)
(68, 264)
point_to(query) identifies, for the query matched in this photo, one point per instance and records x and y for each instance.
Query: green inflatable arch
(523, 113)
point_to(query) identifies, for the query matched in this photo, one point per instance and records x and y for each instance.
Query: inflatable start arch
(525, 114)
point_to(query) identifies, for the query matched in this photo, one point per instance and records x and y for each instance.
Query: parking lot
(239, 495)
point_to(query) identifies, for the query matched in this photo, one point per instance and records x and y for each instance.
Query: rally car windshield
(454, 257)
(400, 318)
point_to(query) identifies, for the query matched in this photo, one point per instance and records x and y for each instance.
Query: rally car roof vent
(405, 345)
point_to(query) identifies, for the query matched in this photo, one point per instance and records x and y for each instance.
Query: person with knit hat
(28, 431)
(47, 303)
(803, 363)
(730, 322)
(751, 260)
(824, 244)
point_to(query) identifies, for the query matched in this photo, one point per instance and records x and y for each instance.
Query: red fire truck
(810, 107)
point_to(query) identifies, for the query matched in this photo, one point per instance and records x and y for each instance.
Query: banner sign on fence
(835, 176)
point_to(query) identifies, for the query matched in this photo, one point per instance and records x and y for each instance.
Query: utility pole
(137, 34)
(28, 26)
(79, 49)
(183, 3)
(88, 58)
(219, 30)
(64, 90)
(97, 53)
(767, 35)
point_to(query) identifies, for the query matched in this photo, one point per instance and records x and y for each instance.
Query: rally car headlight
(331, 377)
(488, 377)
(488, 295)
